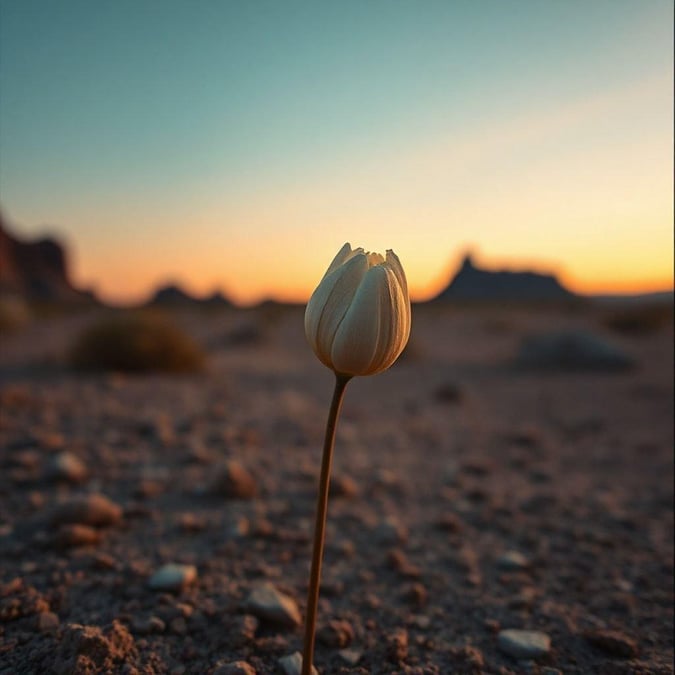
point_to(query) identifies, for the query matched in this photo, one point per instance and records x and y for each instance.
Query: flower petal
(343, 255)
(330, 302)
(356, 342)
(395, 264)
(391, 339)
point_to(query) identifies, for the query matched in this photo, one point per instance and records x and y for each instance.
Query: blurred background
(234, 147)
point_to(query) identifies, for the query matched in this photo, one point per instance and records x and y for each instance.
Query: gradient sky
(238, 144)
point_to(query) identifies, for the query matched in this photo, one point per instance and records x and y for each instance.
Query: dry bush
(14, 314)
(642, 320)
(136, 342)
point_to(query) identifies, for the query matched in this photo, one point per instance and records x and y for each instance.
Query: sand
(470, 498)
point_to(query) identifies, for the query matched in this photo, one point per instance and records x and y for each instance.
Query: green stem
(320, 525)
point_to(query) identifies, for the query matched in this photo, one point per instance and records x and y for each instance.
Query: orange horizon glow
(298, 289)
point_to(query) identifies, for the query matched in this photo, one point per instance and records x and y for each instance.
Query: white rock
(513, 561)
(524, 644)
(292, 664)
(350, 656)
(172, 577)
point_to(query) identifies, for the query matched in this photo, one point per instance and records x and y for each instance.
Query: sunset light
(536, 134)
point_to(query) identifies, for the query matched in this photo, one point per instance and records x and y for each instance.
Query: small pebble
(343, 486)
(93, 509)
(172, 577)
(292, 664)
(233, 481)
(397, 646)
(76, 535)
(513, 561)
(66, 467)
(524, 644)
(350, 656)
(398, 561)
(336, 633)
(269, 604)
(613, 642)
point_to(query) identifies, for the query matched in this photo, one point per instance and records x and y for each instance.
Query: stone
(292, 664)
(335, 633)
(397, 646)
(613, 642)
(172, 577)
(74, 534)
(513, 561)
(398, 561)
(92, 509)
(343, 486)
(269, 604)
(65, 466)
(523, 644)
(233, 481)
(350, 656)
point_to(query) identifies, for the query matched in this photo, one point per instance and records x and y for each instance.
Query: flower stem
(320, 525)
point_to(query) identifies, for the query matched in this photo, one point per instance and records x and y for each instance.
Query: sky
(237, 144)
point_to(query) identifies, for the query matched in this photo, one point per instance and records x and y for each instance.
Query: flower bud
(358, 318)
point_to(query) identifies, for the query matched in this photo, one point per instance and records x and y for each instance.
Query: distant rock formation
(473, 283)
(173, 296)
(36, 271)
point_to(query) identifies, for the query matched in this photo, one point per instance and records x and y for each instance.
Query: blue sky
(178, 129)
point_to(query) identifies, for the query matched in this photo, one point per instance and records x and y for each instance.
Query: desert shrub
(14, 313)
(642, 320)
(136, 342)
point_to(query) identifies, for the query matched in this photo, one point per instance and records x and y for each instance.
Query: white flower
(358, 318)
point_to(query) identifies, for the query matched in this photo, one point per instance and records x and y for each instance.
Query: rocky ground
(484, 518)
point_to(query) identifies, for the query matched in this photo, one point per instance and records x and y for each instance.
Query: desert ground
(470, 497)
